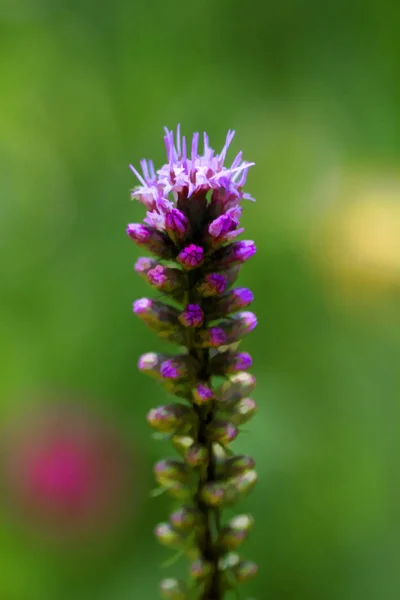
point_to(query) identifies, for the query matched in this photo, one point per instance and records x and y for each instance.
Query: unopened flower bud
(238, 326)
(230, 491)
(234, 465)
(222, 230)
(167, 472)
(150, 364)
(179, 367)
(158, 316)
(222, 431)
(200, 570)
(185, 518)
(234, 254)
(235, 533)
(191, 257)
(170, 418)
(144, 264)
(239, 385)
(228, 561)
(245, 483)
(172, 589)
(228, 303)
(192, 316)
(213, 284)
(151, 239)
(202, 394)
(243, 411)
(224, 363)
(196, 455)
(182, 443)
(245, 570)
(167, 536)
(213, 337)
(166, 279)
(176, 225)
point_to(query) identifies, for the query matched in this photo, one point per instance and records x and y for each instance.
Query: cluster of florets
(193, 214)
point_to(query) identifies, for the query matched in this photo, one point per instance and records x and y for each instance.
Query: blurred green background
(313, 91)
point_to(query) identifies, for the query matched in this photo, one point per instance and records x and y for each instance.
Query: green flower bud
(239, 386)
(243, 411)
(196, 455)
(245, 483)
(182, 443)
(172, 589)
(170, 418)
(228, 561)
(222, 431)
(235, 465)
(245, 570)
(237, 530)
(200, 570)
(167, 472)
(185, 518)
(230, 491)
(167, 536)
(157, 315)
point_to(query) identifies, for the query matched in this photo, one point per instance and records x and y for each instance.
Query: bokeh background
(313, 91)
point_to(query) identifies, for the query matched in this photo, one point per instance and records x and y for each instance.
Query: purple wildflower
(193, 216)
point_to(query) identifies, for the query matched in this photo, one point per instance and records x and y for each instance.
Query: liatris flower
(193, 212)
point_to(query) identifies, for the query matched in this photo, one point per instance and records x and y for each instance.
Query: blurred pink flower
(67, 471)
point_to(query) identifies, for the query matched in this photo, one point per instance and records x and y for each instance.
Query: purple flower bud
(150, 364)
(239, 386)
(214, 337)
(176, 225)
(238, 326)
(234, 254)
(171, 471)
(179, 367)
(235, 533)
(156, 315)
(222, 431)
(143, 266)
(213, 284)
(202, 394)
(192, 316)
(230, 362)
(172, 589)
(200, 570)
(170, 418)
(196, 455)
(151, 239)
(223, 229)
(167, 536)
(245, 570)
(230, 302)
(191, 257)
(243, 411)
